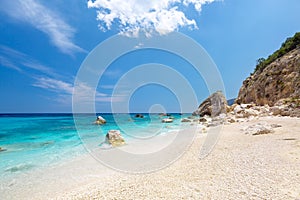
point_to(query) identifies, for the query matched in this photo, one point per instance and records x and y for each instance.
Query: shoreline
(240, 166)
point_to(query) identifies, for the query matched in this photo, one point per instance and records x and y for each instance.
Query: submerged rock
(2, 149)
(214, 105)
(100, 120)
(186, 120)
(114, 138)
(139, 116)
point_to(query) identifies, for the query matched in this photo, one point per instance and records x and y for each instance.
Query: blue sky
(43, 44)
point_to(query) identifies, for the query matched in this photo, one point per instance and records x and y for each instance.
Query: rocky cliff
(276, 80)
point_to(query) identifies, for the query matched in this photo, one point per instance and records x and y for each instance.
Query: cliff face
(278, 80)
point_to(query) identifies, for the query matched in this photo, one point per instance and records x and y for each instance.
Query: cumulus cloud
(44, 19)
(149, 16)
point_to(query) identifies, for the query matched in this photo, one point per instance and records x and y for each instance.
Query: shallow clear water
(40, 140)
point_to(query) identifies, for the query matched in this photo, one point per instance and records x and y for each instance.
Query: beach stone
(167, 120)
(204, 130)
(259, 129)
(233, 106)
(244, 106)
(240, 115)
(215, 123)
(100, 120)
(191, 117)
(264, 109)
(285, 111)
(228, 109)
(186, 120)
(114, 138)
(276, 125)
(202, 119)
(214, 105)
(237, 109)
(250, 112)
(231, 120)
(295, 113)
(240, 120)
(275, 110)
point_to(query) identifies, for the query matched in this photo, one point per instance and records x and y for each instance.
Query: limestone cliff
(274, 81)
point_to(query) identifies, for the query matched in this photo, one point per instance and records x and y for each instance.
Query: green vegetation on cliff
(290, 44)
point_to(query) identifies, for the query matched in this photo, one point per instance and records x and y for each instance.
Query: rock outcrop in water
(100, 120)
(1, 149)
(139, 116)
(114, 138)
(214, 105)
(275, 78)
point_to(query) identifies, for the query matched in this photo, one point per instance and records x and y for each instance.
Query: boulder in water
(139, 116)
(114, 138)
(100, 120)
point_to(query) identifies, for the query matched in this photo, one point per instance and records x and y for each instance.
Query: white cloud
(17, 60)
(9, 64)
(133, 16)
(54, 85)
(40, 17)
(65, 90)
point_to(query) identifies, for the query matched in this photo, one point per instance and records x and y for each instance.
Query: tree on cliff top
(290, 44)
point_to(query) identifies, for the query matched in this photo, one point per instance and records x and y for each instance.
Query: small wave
(104, 145)
(20, 167)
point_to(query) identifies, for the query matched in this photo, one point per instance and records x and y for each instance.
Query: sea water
(34, 141)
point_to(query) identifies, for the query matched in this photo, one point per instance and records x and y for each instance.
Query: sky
(44, 44)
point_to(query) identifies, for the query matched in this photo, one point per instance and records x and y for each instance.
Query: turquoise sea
(34, 141)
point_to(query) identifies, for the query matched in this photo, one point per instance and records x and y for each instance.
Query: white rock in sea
(167, 120)
(114, 138)
(100, 120)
